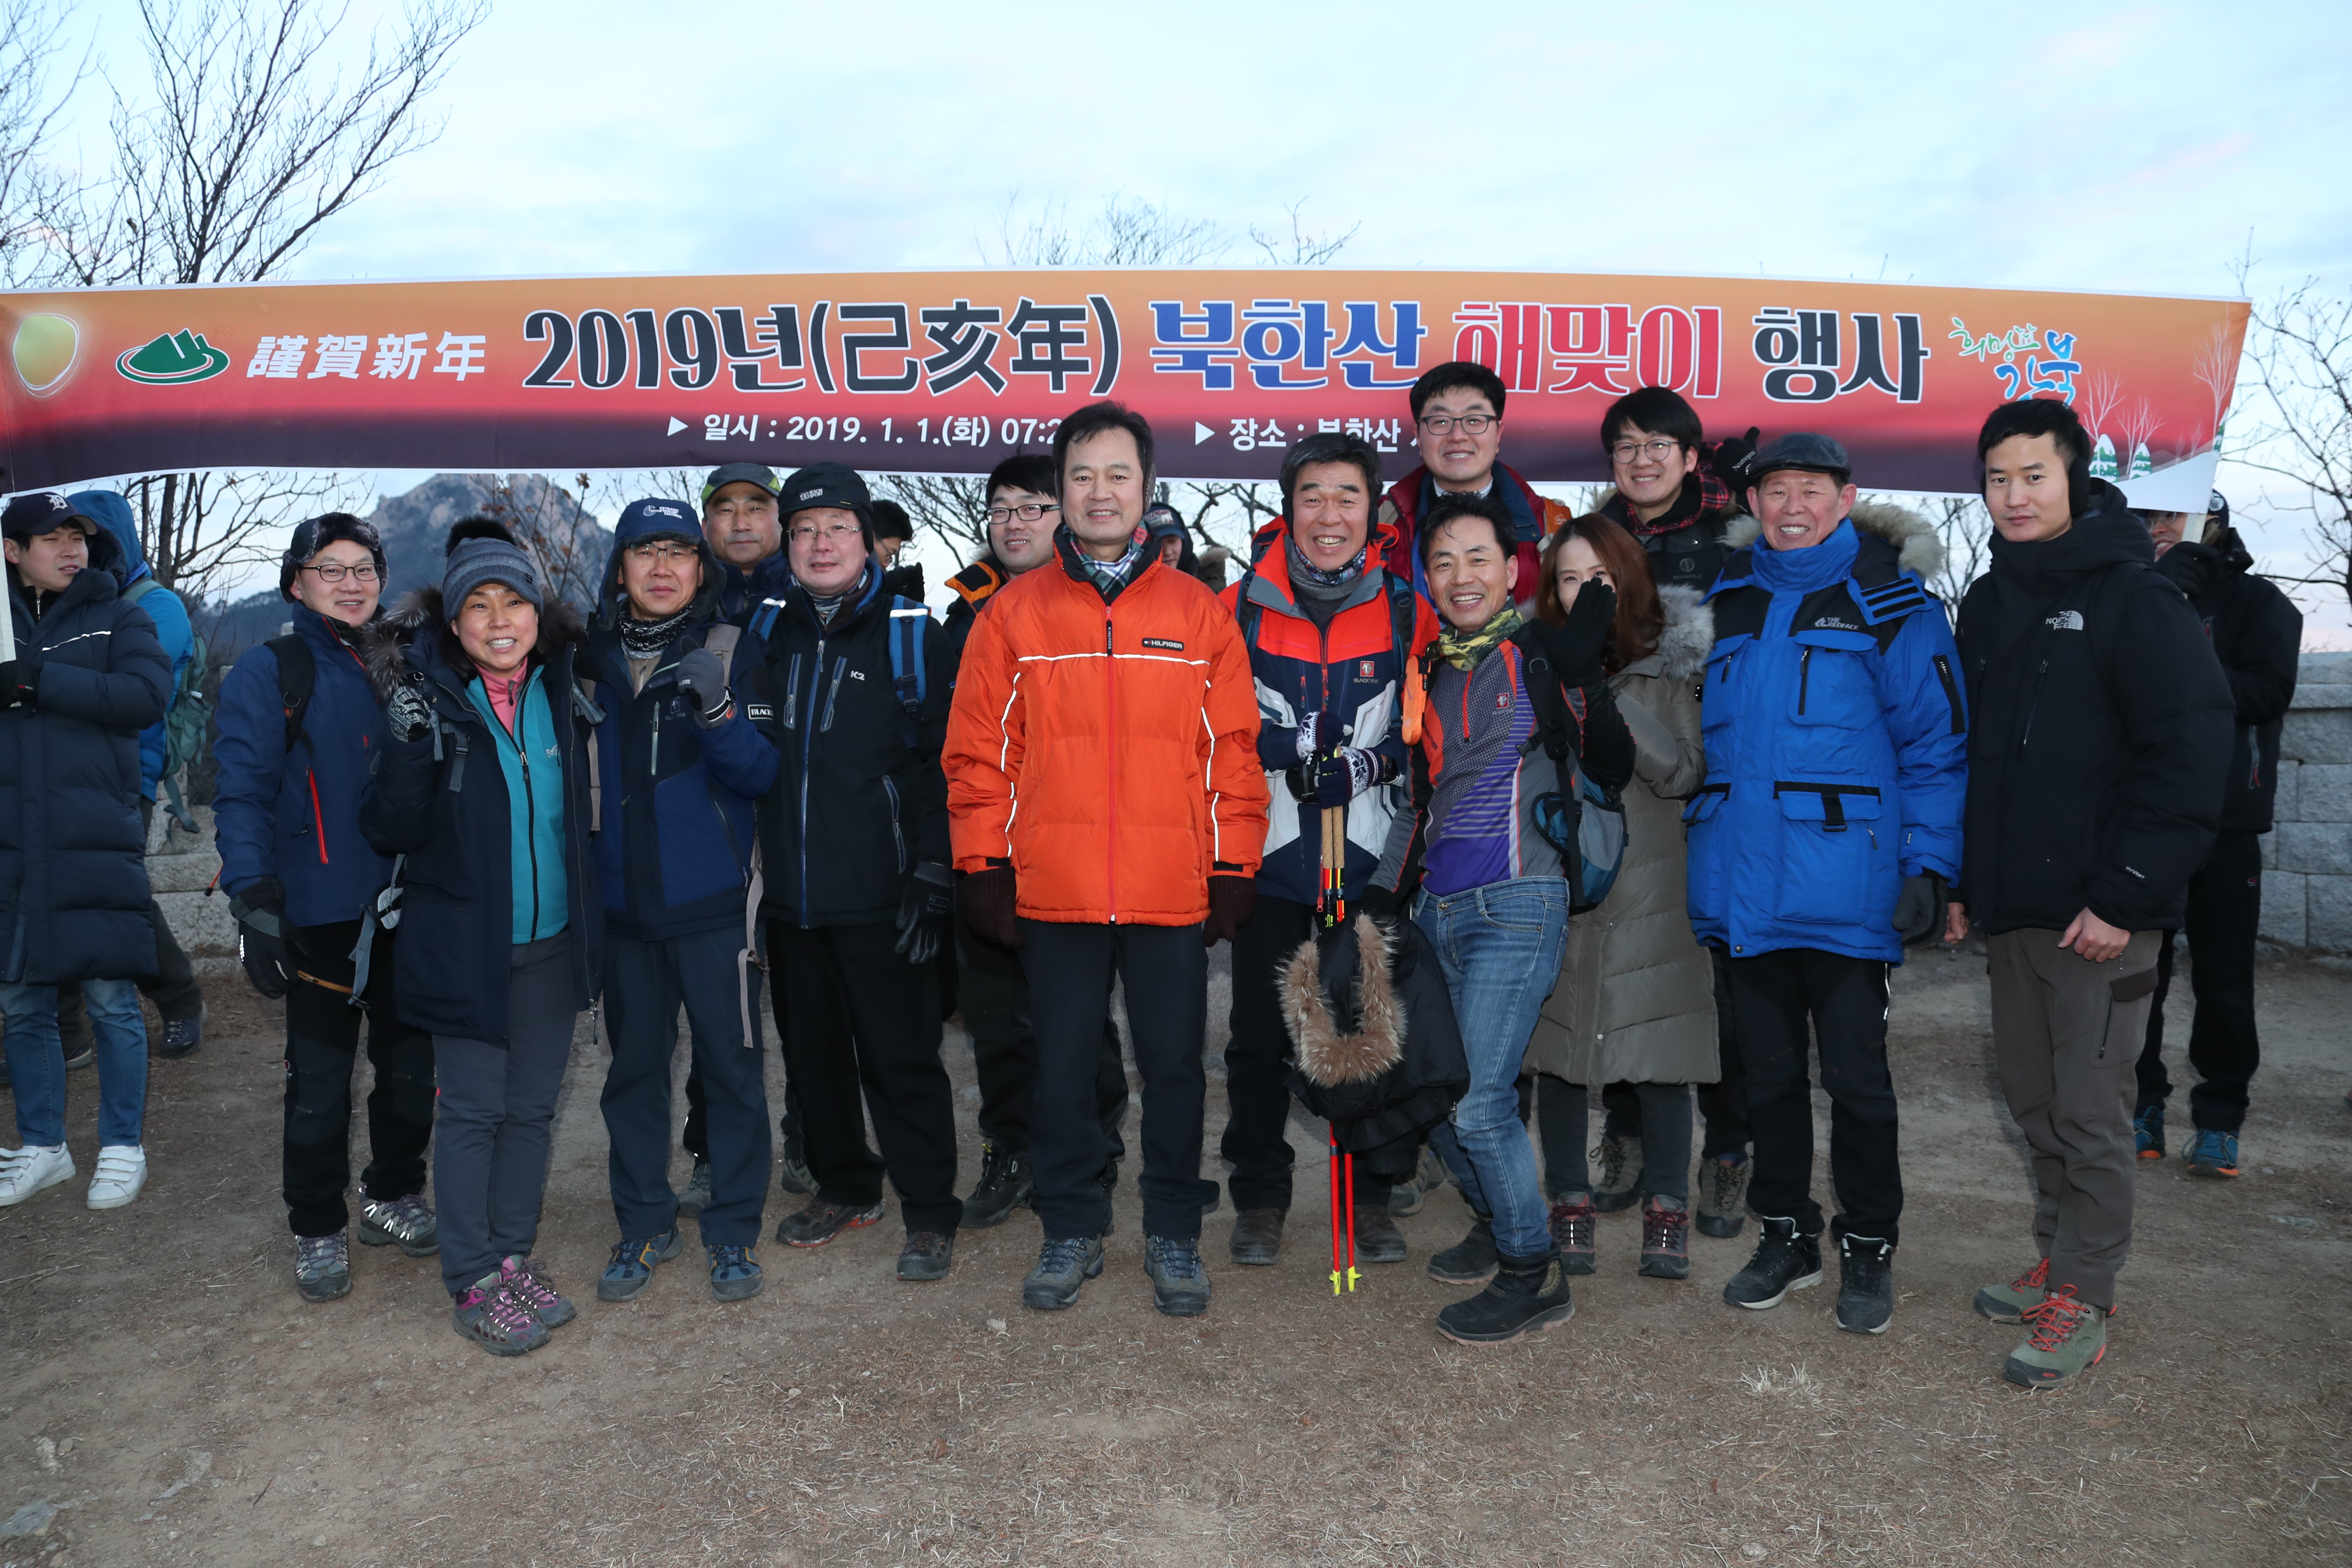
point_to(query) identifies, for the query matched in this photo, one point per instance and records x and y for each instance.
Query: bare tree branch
(1303, 250)
(1128, 232)
(31, 40)
(2299, 353)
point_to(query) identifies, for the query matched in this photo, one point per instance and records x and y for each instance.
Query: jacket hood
(1688, 637)
(414, 633)
(114, 513)
(2105, 535)
(1919, 548)
(1326, 1055)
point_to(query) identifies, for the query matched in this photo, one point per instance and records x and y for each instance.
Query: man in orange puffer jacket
(1108, 809)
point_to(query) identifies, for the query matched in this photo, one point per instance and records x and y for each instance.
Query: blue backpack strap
(764, 618)
(907, 676)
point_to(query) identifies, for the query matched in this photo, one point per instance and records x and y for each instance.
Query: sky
(2104, 147)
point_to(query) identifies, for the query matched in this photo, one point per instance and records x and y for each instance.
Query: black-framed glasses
(334, 571)
(1471, 424)
(1027, 511)
(1655, 450)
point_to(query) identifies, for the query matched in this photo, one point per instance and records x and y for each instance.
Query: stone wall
(2307, 881)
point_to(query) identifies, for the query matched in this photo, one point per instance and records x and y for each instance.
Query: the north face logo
(1834, 624)
(2067, 621)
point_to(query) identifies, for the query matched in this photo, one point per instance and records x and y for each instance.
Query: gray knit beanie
(482, 550)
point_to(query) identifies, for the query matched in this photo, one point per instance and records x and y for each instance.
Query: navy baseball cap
(656, 518)
(39, 512)
(1801, 449)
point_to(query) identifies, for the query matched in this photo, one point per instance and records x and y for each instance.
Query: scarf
(1463, 650)
(1307, 580)
(643, 639)
(1111, 575)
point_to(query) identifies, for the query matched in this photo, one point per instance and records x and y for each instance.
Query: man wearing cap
(746, 532)
(2257, 634)
(1822, 840)
(859, 895)
(84, 676)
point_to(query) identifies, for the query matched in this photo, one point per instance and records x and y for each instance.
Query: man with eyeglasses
(1458, 415)
(859, 898)
(995, 992)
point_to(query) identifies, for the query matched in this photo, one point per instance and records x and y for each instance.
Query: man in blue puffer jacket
(1822, 840)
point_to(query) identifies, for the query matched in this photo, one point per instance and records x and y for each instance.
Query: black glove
(1728, 460)
(702, 680)
(409, 714)
(1381, 903)
(20, 680)
(1232, 901)
(1575, 648)
(2191, 566)
(924, 911)
(1338, 778)
(990, 902)
(1919, 908)
(266, 943)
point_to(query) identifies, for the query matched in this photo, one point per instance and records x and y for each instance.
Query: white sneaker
(23, 1172)
(122, 1171)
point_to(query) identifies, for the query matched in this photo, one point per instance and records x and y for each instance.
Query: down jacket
(1106, 751)
(1635, 1002)
(73, 873)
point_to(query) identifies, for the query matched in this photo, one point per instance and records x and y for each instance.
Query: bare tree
(2102, 390)
(31, 41)
(1302, 249)
(202, 530)
(555, 522)
(2217, 367)
(2140, 425)
(1128, 232)
(1966, 528)
(2299, 349)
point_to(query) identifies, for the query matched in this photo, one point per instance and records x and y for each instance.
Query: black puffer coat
(2257, 634)
(73, 869)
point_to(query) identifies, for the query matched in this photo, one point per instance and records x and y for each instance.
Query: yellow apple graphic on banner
(45, 351)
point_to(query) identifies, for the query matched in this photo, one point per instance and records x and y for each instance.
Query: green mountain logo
(172, 359)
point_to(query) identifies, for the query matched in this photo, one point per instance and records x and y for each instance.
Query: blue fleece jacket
(164, 608)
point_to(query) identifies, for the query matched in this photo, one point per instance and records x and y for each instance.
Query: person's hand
(1729, 458)
(1956, 922)
(988, 902)
(1232, 901)
(925, 910)
(409, 714)
(2094, 938)
(2191, 566)
(1575, 647)
(702, 680)
(266, 943)
(1919, 908)
(20, 681)
(1318, 731)
(1336, 779)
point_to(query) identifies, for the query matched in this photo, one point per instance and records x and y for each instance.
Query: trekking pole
(7, 626)
(1349, 1178)
(1335, 1213)
(1335, 866)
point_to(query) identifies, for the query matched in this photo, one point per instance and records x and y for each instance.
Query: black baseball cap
(31, 515)
(1801, 449)
(726, 474)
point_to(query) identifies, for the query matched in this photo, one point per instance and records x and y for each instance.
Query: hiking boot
(2211, 1153)
(404, 1223)
(1621, 1168)
(2068, 1336)
(2009, 1303)
(1572, 1233)
(1665, 1240)
(322, 1267)
(1063, 1266)
(792, 1172)
(183, 1036)
(1471, 1260)
(821, 1221)
(2147, 1133)
(1723, 1196)
(1784, 1261)
(734, 1273)
(1528, 1293)
(526, 1283)
(1257, 1237)
(1180, 1285)
(1005, 1183)
(26, 1170)
(927, 1256)
(1865, 1302)
(697, 1195)
(119, 1174)
(1377, 1239)
(487, 1313)
(1406, 1197)
(633, 1264)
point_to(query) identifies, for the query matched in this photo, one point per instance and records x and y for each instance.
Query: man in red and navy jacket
(1457, 416)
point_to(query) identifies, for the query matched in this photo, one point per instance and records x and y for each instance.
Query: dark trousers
(1722, 1105)
(1166, 972)
(1779, 1000)
(498, 1117)
(2225, 906)
(994, 997)
(696, 1137)
(861, 1021)
(645, 983)
(322, 1042)
(1562, 1117)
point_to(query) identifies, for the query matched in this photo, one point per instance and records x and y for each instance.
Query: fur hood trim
(1326, 1055)
(1689, 634)
(390, 644)
(1920, 547)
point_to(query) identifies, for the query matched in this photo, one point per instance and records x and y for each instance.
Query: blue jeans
(1500, 948)
(37, 1061)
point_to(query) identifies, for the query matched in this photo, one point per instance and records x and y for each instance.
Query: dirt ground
(167, 1398)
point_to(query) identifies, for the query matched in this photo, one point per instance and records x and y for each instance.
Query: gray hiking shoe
(2069, 1338)
(1257, 1237)
(1722, 1209)
(1063, 1265)
(404, 1223)
(1180, 1283)
(528, 1283)
(1621, 1168)
(2009, 1303)
(323, 1265)
(928, 1254)
(492, 1316)
(697, 1195)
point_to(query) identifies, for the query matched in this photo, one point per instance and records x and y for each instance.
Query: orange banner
(950, 371)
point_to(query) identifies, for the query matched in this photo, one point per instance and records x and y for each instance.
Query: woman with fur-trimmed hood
(483, 787)
(1635, 1003)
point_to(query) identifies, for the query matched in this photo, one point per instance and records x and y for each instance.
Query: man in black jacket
(858, 893)
(2101, 727)
(2257, 634)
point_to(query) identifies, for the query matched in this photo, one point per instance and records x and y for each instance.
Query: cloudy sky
(2091, 146)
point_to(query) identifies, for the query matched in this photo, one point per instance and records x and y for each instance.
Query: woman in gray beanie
(484, 788)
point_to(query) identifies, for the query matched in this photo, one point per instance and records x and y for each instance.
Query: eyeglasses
(662, 550)
(333, 572)
(831, 534)
(1656, 450)
(1027, 511)
(1471, 424)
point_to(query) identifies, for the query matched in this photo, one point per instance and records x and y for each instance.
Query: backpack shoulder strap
(298, 676)
(909, 679)
(722, 639)
(140, 590)
(763, 616)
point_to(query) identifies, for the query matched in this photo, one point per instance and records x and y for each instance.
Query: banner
(951, 372)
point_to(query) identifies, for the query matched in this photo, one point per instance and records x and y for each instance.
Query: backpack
(1584, 823)
(909, 618)
(187, 721)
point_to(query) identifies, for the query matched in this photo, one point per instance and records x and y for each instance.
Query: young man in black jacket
(2101, 730)
(858, 893)
(2257, 634)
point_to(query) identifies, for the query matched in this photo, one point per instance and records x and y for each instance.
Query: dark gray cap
(1801, 449)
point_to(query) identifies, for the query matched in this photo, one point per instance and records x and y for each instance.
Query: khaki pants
(2067, 1035)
